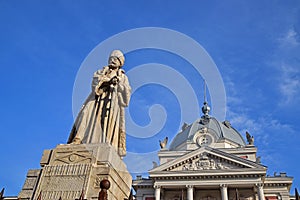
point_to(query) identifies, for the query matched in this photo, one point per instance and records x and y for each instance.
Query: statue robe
(102, 117)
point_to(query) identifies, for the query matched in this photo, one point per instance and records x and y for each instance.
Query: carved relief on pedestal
(66, 181)
(67, 170)
(72, 157)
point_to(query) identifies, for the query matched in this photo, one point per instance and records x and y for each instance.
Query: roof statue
(163, 144)
(101, 119)
(250, 139)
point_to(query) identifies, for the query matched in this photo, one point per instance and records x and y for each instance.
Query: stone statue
(101, 118)
(163, 144)
(250, 138)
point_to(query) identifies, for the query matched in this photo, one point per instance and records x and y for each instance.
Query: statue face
(114, 62)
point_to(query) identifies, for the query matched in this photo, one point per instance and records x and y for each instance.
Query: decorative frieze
(205, 163)
(62, 194)
(67, 170)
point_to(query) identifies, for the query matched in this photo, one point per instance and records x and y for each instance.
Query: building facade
(210, 160)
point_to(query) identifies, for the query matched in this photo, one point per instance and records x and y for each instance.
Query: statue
(250, 138)
(163, 144)
(102, 118)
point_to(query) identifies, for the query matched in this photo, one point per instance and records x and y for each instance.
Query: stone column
(190, 191)
(260, 191)
(224, 193)
(157, 192)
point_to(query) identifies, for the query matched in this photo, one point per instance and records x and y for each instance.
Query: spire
(205, 107)
(205, 99)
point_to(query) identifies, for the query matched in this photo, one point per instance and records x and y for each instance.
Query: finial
(205, 107)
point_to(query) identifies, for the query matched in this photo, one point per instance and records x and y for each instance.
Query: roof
(220, 131)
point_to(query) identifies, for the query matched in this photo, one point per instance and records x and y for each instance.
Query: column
(157, 192)
(190, 191)
(224, 193)
(260, 191)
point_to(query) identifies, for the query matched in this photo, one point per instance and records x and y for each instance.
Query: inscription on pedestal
(66, 181)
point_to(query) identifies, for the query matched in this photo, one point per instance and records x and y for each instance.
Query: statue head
(116, 59)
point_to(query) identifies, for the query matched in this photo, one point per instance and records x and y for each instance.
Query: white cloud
(262, 128)
(286, 61)
(233, 97)
(140, 163)
(289, 84)
(290, 39)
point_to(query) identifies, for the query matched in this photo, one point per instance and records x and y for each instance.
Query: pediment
(207, 158)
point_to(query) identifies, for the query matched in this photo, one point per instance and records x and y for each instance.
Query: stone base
(68, 170)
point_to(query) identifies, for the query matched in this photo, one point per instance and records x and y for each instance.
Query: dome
(210, 131)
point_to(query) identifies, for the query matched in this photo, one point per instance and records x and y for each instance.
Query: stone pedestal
(68, 170)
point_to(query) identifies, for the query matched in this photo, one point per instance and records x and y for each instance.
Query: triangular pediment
(205, 159)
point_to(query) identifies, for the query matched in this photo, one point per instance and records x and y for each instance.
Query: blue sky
(254, 44)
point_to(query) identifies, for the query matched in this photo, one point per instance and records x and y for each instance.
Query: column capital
(224, 192)
(157, 186)
(190, 191)
(259, 185)
(157, 192)
(260, 192)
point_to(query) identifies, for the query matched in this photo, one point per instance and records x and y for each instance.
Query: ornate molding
(207, 177)
(67, 170)
(205, 163)
(203, 137)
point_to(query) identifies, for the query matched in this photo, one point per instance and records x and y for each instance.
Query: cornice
(207, 176)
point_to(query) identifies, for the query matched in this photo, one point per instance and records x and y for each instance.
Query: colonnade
(223, 189)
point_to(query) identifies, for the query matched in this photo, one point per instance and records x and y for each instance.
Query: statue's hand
(104, 79)
(98, 88)
(98, 91)
(114, 80)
